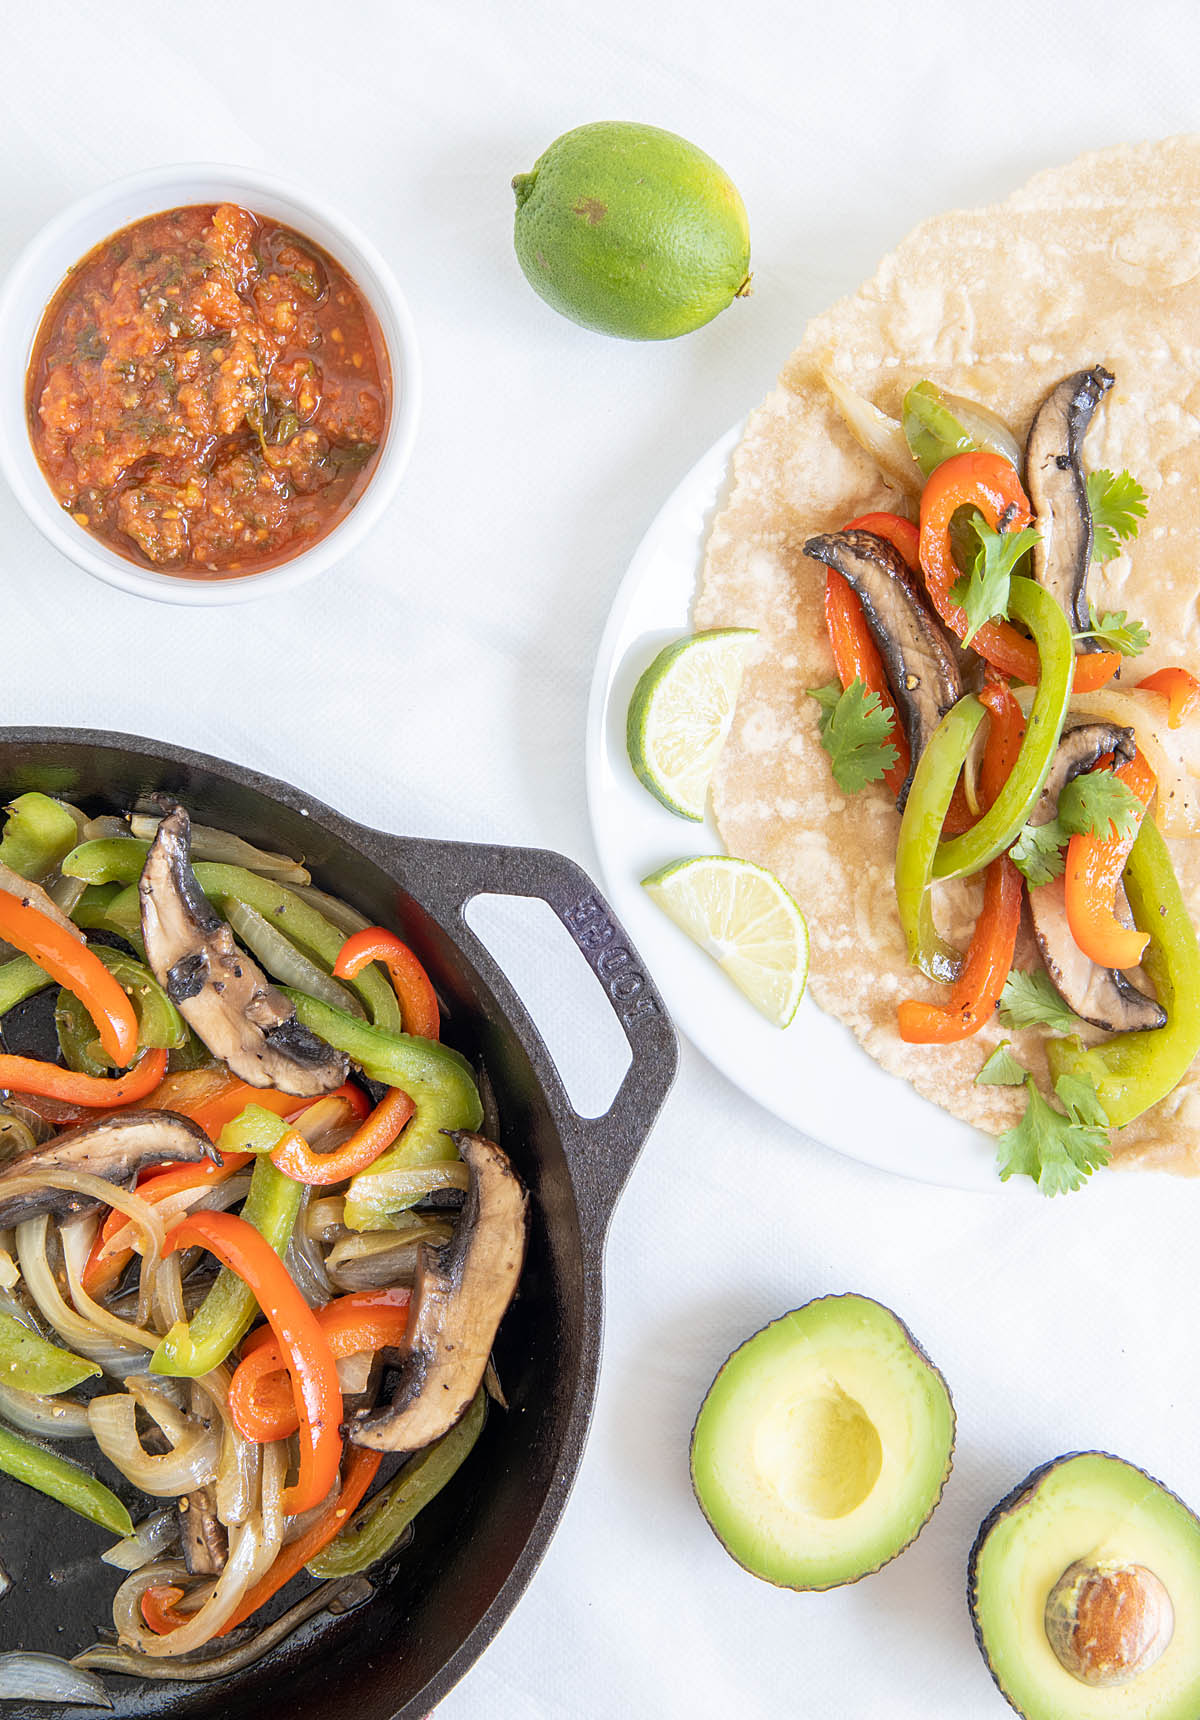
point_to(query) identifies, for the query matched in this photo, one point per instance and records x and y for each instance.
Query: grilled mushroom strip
(1102, 996)
(205, 1544)
(462, 1290)
(115, 1147)
(221, 993)
(1058, 491)
(921, 669)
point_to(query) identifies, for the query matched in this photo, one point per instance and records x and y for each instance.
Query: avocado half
(1084, 1588)
(823, 1444)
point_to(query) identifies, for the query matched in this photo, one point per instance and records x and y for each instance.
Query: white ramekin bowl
(36, 276)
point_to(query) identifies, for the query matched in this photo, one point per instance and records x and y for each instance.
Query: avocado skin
(815, 1302)
(1010, 1501)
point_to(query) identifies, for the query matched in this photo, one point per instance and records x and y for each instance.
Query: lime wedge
(680, 714)
(746, 921)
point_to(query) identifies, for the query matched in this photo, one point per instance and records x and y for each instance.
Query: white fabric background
(437, 684)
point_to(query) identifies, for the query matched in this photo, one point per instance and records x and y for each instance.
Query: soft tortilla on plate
(1096, 262)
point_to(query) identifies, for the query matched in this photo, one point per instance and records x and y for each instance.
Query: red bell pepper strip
(1093, 871)
(414, 992)
(902, 534)
(296, 1159)
(70, 962)
(976, 992)
(990, 483)
(158, 1608)
(1180, 689)
(315, 1389)
(357, 1476)
(260, 1399)
(30, 1075)
(105, 1264)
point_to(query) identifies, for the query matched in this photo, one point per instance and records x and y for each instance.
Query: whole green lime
(632, 230)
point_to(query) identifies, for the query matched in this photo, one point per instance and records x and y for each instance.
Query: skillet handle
(602, 1150)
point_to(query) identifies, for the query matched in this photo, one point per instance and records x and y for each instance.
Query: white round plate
(813, 1074)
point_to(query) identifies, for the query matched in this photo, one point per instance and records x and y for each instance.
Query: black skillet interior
(477, 1545)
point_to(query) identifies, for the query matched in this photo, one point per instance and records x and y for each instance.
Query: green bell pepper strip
(30, 1364)
(437, 1079)
(62, 1480)
(376, 1526)
(112, 908)
(1133, 1071)
(120, 859)
(195, 1347)
(931, 429)
(929, 797)
(160, 1025)
(959, 856)
(39, 834)
(19, 979)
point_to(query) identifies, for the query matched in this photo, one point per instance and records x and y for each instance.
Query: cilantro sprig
(983, 591)
(1095, 803)
(1059, 1150)
(1030, 1000)
(1116, 632)
(1118, 506)
(854, 726)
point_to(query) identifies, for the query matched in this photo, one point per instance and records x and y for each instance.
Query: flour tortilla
(1096, 262)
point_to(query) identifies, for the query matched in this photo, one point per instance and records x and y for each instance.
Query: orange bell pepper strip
(315, 1389)
(418, 1002)
(158, 1608)
(1093, 871)
(106, 1263)
(357, 1476)
(70, 963)
(260, 1399)
(95, 1092)
(1180, 689)
(990, 483)
(296, 1159)
(976, 992)
(855, 653)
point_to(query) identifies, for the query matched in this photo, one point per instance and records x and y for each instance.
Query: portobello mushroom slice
(202, 1535)
(1058, 492)
(222, 994)
(462, 1290)
(1103, 996)
(115, 1147)
(921, 670)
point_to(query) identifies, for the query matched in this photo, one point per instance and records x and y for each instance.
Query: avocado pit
(1107, 1622)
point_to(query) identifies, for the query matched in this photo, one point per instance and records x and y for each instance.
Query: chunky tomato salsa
(208, 392)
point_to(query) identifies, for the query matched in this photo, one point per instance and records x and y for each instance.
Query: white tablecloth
(437, 684)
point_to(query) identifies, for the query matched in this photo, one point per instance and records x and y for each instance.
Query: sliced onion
(45, 1678)
(10, 1272)
(304, 1261)
(343, 1594)
(270, 1518)
(285, 963)
(149, 1540)
(76, 1332)
(1172, 754)
(294, 1527)
(108, 824)
(375, 1259)
(65, 893)
(343, 916)
(60, 1417)
(76, 1239)
(209, 843)
(985, 428)
(881, 436)
(191, 1464)
(325, 1217)
(16, 1137)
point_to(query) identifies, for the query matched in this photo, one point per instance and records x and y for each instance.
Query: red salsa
(208, 392)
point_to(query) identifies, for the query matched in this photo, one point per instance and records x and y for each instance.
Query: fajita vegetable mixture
(253, 1245)
(969, 744)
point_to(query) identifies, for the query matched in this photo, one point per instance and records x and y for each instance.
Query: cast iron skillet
(478, 1544)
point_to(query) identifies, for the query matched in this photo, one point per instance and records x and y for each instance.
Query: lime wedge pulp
(680, 714)
(746, 921)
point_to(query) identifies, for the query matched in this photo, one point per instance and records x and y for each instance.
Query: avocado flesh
(1095, 1508)
(823, 1444)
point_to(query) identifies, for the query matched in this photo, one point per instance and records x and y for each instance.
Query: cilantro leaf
(1038, 851)
(1117, 505)
(1081, 1101)
(983, 591)
(1001, 1069)
(1030, 1000)
(1117, 633)
(1098, 803)
(854, 726)
(1058, 1150)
